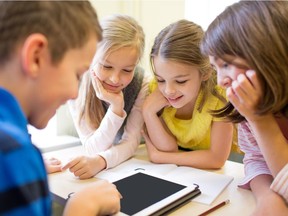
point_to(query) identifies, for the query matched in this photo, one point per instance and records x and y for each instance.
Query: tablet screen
(140, 191)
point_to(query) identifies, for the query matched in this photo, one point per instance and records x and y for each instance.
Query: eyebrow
(179, 76)
(108, 62)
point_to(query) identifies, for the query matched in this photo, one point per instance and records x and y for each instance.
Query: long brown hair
(255, 31)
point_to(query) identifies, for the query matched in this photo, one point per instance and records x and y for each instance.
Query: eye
(160, 81)
(225, 65)
(181, 82)
(106, 67)
(127, 71)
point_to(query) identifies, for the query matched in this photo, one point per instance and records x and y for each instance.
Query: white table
(241, 203)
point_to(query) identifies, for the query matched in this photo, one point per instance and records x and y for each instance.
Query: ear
(32, 52)
(206, 76)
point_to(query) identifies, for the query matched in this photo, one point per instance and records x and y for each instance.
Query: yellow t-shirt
(193, 133)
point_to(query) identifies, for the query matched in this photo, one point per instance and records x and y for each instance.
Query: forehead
(124, 56)
(169, 68)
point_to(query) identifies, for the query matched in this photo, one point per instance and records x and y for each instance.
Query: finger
(53, 169)
(70, 164)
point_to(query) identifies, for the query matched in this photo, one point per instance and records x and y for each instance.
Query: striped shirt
(254, 162)
(23, 185)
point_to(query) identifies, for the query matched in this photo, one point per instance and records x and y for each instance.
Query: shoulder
(8, 143)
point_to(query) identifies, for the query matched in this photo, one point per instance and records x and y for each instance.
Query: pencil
(215, 208)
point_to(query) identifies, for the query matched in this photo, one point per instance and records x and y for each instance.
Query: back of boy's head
(66, 25)
(120, 31)
(257, 32)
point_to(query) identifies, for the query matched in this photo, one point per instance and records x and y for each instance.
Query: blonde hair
(118, 31)
(180, 42)
(255, 31)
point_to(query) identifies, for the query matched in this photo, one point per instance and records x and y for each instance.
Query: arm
(158, 133)
(86, 167)
(101, 198)
(101, 139)
(280, 183)
(268, 202)
(214, 157)
(245, 95)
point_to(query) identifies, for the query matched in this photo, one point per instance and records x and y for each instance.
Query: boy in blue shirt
(45, 48)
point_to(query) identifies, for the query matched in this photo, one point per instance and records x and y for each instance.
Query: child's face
(116, 71)
(179, 83)
(59, 83)
(227, 72)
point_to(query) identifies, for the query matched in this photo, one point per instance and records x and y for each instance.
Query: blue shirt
(23, 179)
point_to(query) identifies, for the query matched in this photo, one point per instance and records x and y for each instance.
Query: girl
(176, 113)
(247, 45)
(107, 113)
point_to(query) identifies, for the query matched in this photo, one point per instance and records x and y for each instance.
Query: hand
(155, 102)
(85, 167)
(152, 151)
(52, 165)
(100, 198)
(115, 99)
(245, 94)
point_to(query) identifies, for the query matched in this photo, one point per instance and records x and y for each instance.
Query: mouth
(110, 87)
(174, 100)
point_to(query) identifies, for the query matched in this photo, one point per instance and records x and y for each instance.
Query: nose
(115, 77)
(169, 89)
(223, 80)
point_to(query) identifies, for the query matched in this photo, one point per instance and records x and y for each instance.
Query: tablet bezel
(164, 203)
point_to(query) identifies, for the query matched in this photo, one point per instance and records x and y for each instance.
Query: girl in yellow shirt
(184, 91)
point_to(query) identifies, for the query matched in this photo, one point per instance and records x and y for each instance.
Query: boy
(45, 48)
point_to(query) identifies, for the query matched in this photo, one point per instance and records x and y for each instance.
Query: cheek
(126, 80)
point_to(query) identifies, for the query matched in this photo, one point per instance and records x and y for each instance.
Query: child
(176, 113)
(247, 45)
(41, 44)
(107, 114)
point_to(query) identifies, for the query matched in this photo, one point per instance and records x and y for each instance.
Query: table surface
(242, 201)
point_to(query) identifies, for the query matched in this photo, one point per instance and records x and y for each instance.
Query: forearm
(272, 143)
(268, 202)
(158, 135)
(202, 159)
(102, 138)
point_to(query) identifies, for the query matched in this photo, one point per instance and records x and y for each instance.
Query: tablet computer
(147, 194)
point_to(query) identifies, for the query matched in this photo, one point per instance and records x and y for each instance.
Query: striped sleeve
(280, 183)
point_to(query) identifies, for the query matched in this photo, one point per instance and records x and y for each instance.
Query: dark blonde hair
(118, 31)
(66, 25)
(180, 42)
(255, 31)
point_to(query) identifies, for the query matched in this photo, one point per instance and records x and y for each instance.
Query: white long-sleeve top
(100, 141)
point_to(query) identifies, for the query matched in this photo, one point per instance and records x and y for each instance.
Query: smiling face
(59, 83)
(116, 71)
(179, 83)
(228, 71)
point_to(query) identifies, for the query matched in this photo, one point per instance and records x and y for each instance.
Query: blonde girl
(107, 113)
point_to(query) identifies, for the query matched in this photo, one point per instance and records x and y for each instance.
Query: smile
(174, 100)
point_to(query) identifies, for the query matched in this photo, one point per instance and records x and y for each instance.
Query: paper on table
(211, 184)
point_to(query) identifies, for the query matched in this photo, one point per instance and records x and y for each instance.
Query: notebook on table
(147, 194)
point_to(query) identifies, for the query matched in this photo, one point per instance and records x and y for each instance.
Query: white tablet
(147, 194)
